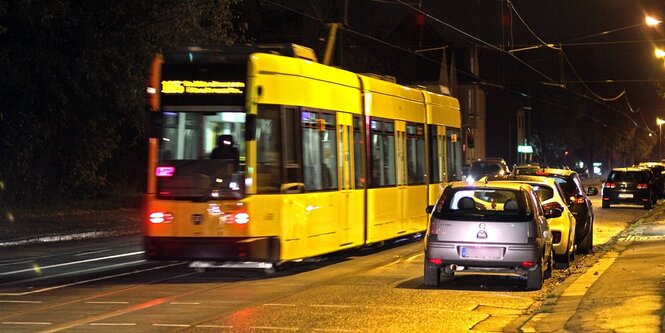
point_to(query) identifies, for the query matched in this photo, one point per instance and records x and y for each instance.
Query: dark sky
(590, 58)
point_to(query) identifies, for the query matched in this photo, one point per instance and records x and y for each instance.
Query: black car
(657, 168)
(578, 202)
(628, 186)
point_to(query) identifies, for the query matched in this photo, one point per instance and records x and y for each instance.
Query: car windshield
(628, 176)
(482, 204)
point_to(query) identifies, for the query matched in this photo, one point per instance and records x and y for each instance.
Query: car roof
(522, 178)
(626, 169)
(492, 185)
(652, 163)
(490, 159)
(549, 172)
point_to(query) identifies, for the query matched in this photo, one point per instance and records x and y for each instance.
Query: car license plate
(625, 195)
(481, 252)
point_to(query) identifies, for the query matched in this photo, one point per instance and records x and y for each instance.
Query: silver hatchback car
(489, 228)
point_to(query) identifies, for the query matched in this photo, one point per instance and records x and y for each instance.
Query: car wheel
(606, 204)
(587, 242)
(563, 260)
(534, 278)
(647, 205)
(432, 274)
(548, 271)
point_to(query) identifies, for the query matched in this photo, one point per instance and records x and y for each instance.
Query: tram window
(268, 157)
(319, 150)
(383, 153)
(415, 150)
(358, 149)
(434, 166)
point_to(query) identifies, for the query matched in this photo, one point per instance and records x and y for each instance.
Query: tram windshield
(188, 168)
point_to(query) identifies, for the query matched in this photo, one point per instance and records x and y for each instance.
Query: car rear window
(626, 176)
(544, 192)
(484, 168)
(482, 204)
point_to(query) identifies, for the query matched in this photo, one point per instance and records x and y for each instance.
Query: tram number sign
(197, 219)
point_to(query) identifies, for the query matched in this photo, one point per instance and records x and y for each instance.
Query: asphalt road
(105, 285)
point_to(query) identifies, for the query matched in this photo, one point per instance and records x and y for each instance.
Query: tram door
(402, 190)
(345, 176)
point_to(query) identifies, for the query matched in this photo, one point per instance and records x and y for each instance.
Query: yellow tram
(328, 159)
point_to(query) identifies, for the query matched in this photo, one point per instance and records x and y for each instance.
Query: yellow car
(563, 227)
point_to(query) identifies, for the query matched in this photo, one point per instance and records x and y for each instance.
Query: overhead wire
(513, 9)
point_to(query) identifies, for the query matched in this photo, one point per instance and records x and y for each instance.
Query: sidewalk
(621, 292)
(43, 228)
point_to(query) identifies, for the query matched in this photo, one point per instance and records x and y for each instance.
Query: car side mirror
(429, 209)
(591, 191)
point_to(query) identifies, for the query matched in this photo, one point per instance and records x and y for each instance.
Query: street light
(651, 21)
(660, 122)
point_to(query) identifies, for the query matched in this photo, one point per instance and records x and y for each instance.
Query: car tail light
(642, 186)
(609, 185)
(435, 261)
(164, 171)
(161, 217)
(527, 264)
(556, 237)
(578, 200)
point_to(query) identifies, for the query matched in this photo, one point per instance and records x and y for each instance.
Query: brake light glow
(161, 217)
(642, 186)
(578, 200)
(609, 185)
(164, 171)
(527, 264)
(435, 261)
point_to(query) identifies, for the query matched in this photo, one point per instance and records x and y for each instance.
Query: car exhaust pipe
(450, 268)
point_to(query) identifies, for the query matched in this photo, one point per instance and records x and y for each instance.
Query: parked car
(628, 186)
(525, 169)
(489, 228)
(578, 203)
(487, 167)
(562, 227)
(657, 168)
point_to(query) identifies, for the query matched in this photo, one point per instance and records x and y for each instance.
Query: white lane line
(25, 302)
(91, 280)
(274, 328)
(332, 306)
(26, 323)
(112, 324)
(171, 325)
(412, 258)
(73, 263)
(185, 303)
(92, 252)
(100, 302)
(213, 326)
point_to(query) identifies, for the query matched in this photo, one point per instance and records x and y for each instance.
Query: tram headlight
(241, 218)
(161, 217)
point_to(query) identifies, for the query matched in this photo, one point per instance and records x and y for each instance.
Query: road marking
(92, 252)
(184, 303)
(213, 326)
(112, 324)
(26, 323)
(274, 328)
(100, 302)
(171, 325)
(332, 306)
(26, 302)
(412, 258)
(88, 281)
(73, 263)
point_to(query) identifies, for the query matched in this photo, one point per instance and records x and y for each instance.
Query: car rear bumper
(626, 197)
(511, 255)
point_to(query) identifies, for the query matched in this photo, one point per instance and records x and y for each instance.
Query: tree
(72, 86)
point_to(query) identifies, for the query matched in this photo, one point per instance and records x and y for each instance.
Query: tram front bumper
(261, 249)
